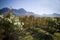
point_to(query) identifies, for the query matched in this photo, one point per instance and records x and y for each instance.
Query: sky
(37, 6)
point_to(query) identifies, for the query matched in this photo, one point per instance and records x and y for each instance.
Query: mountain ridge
(23, 12)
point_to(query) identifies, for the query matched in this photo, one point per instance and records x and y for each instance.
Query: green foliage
(29, 27)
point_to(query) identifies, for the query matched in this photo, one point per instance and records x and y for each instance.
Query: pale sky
(36, 6)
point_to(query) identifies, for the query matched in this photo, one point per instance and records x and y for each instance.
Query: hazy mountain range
(23, 12)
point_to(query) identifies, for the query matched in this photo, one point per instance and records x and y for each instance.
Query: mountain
(23, 12)
(56, 14)
(51, 15)
(4, 10)
(17, 12)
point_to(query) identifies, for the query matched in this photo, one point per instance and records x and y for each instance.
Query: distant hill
(51, 15)
(17, 12)
(4, 10)
(23, 12)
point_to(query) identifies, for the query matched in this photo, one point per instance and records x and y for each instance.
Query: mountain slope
(17, 12)
(23, 12)
(51, 15)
